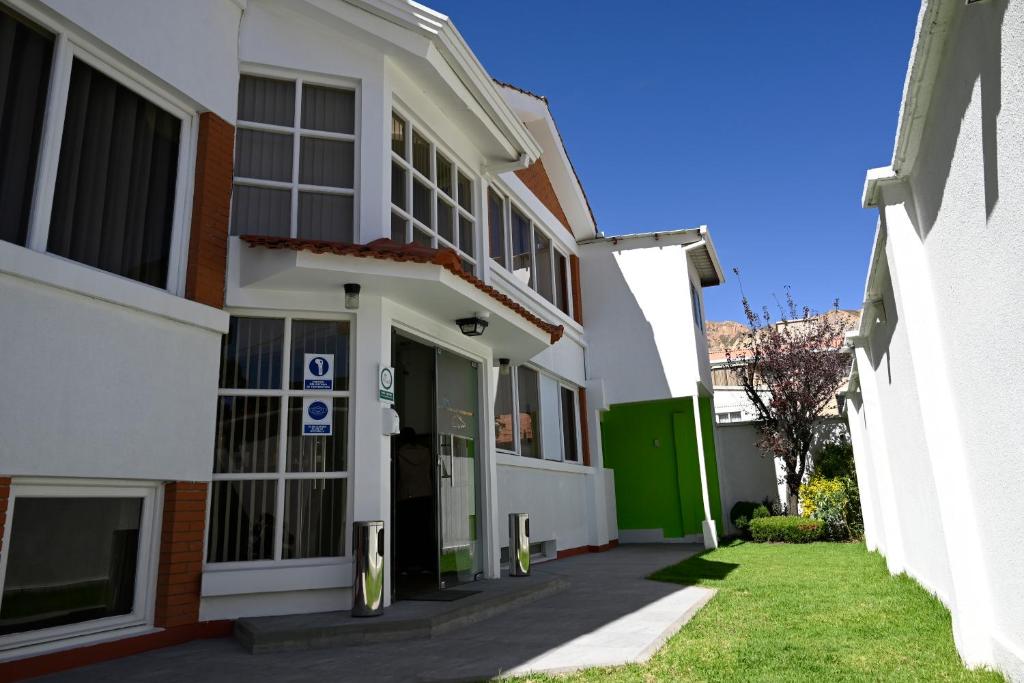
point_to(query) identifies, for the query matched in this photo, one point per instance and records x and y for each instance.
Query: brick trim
(536, 178)
(577, 289)
(5, 494)
(584, 549)
(584, 426)
(211, 206)
(179, 576)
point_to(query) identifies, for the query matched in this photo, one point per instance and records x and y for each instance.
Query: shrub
(785, 530)
(760, 512)
(834, 502)
(834, 460)
(742, 524)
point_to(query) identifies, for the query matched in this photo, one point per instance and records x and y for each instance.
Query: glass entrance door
(457, 416)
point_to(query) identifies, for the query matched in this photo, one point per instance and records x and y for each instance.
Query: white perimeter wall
(744, 472)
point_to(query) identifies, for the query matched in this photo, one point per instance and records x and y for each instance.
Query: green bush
(743, 508)
(742, 525)
(785, 530)
(834, 460)
(760, 512)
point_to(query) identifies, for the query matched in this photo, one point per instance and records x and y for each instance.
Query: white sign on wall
(386, 384)
(318, 372)
(317, 419)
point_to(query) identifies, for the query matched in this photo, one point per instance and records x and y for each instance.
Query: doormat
(439, 596)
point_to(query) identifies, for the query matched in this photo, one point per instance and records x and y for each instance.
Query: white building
(934, 399)
(195, 409)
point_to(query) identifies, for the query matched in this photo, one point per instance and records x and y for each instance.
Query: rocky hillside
(727, 334)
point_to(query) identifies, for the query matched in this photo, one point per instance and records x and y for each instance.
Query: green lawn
(817, 612)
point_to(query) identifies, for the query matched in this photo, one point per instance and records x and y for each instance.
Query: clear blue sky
(755, 118)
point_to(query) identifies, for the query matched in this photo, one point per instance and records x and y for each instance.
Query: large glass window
(698, 310)
(294, 160)
(431, 195)
(535, 415)
(279, 492)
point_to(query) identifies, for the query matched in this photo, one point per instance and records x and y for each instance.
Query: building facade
(933, 395)
(283, 267)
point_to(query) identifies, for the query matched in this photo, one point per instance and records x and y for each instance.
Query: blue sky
(755, 118)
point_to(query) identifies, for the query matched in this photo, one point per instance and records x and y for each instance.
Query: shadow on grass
(694, 571)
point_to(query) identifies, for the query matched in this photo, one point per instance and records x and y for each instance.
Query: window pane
(70, 560)
(550, 424)
(465, 193)
(445, 220)
(398, 186)
(314, 518)
(242, 520)
(561, 283)
(420, 154)
(504, 437)
(317, 453)
(326, 162)
(266, 100)
(247, 434)
(422, 238)
(251, 354)
(398, 136)
(330, 109)
(496, 221)
(267, 156)
(113, 203)
(260, 211)
(398, 229)
(326, 217)
(521, 260)
(466, 236)
(529, 413)
(444, 174)
(320, 336)
(421, 203)
(25, 56)
(467, 266)
(569, 425)
(543, 282)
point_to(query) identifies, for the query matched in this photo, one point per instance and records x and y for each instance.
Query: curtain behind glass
(25, 56)
(113, 203)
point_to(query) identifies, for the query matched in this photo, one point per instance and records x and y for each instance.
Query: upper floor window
(698, 310)
(294, 160)
(106, 191)
(519, 245)
(535, 415)
(431, 196)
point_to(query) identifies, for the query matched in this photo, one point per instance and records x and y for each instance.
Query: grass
(815, 612)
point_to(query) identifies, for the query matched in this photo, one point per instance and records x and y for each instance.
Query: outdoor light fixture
(504, 367)
(352, 296)
(472, 327)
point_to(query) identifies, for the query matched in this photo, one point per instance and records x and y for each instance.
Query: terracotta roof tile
(390, 250)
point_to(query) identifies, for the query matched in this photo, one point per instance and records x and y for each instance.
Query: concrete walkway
(609, 614)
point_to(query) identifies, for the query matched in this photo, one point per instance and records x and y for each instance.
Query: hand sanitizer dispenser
(390, 421)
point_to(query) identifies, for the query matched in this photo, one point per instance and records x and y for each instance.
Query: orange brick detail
(536, 178)
(577, 289)
(585, 432)
(5, 494)
(211, 204)
(181, 554)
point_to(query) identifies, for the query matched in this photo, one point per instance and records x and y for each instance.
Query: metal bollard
(368, 576)
(518, 544)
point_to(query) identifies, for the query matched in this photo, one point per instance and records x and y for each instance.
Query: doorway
(434, 469)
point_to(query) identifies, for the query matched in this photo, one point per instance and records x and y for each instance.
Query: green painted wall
(652, 447)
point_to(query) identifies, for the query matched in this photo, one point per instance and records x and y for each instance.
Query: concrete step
(403, 620)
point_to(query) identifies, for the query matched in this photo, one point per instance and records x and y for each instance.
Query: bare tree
(793, 368)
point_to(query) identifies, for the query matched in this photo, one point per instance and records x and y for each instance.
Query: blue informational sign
(318, 373)
(317, 419)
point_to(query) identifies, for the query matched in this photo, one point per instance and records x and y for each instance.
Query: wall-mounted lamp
(504, 367)
(472, 327)
(352, 296)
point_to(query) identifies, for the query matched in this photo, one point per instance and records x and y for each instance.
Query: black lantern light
(472, 327)
(352, 296)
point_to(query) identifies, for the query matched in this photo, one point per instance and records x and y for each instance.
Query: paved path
(609, 614)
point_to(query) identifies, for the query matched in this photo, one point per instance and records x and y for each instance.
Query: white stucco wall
(745, 473)
(554, 496)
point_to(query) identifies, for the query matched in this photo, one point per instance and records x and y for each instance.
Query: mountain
(728, 334)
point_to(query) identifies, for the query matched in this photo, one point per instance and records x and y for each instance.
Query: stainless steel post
(368, 575)
(518, 544)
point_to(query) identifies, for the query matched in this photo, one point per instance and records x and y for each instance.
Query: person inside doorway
(416, 502)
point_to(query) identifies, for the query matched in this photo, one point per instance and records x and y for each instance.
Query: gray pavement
(609, 614)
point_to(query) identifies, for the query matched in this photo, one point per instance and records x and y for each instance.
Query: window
(431, 195)
(698, 312)
(731, 416)
(527, 251)
(104, 189)
(295, 152)
(277, 493)
(535, 416)
(77, 561)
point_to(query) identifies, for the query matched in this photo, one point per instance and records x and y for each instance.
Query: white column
(489, 493)
(710, 533)
(972, 609)
(865, 477)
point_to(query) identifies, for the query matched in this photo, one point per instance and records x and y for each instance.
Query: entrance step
(403, 620)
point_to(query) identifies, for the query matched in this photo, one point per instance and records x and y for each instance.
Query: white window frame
(543, 443)
(68, 46)
(297, 132)
(143, 605)
(576, 420)
(508, 205)
(411, 174)
(281, 475)
(698, 305)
